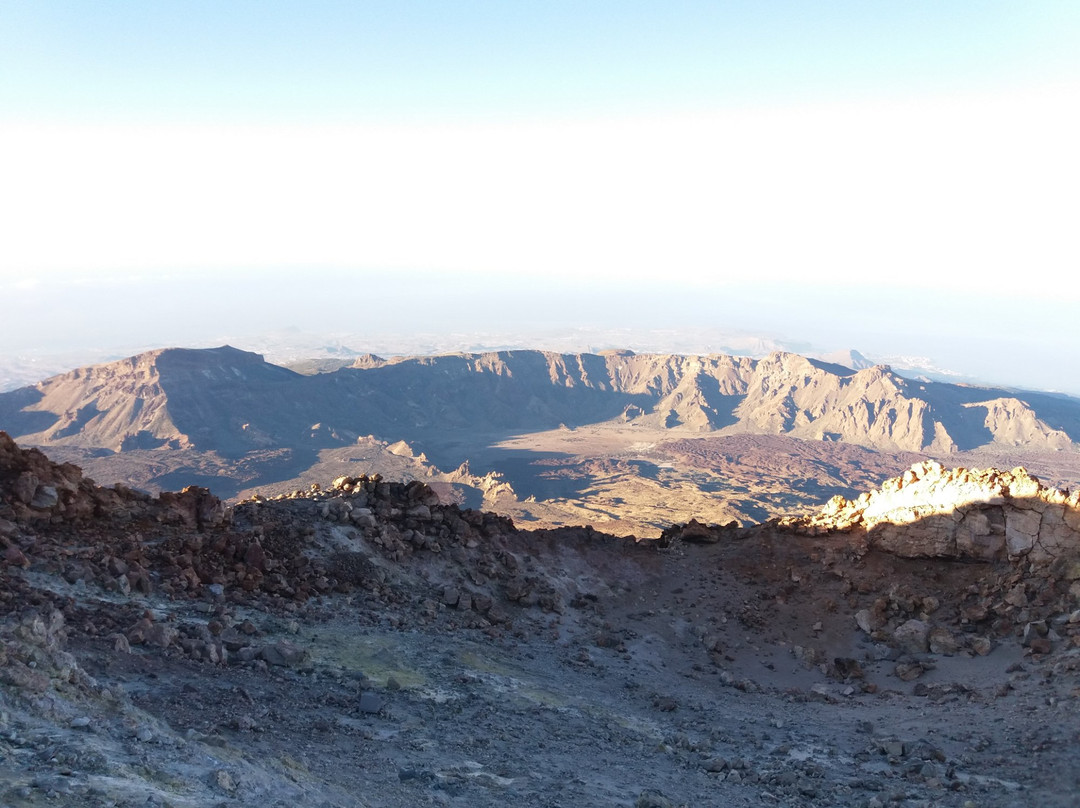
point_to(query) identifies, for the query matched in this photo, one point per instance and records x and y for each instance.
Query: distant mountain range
(321, 352)
(232, 402)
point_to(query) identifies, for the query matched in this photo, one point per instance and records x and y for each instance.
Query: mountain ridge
(233, 401)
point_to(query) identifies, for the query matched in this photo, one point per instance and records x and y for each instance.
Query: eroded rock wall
(985, 515)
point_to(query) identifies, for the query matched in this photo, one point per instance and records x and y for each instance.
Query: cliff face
(233, 402)
(873, 407)
(783, 394)
(987, 515)
(160, 399)
(114, 405)
(1013, 423)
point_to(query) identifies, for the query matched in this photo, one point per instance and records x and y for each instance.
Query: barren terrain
(622, 480)
(369, 646)
(627, 443)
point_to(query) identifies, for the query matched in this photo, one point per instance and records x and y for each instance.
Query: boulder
(283, 654)
(45, 497)
(1035, 630)
(943, 642)
(24, 487)
(912, 637)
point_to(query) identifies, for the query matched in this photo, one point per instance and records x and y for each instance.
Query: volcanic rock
(930, 511)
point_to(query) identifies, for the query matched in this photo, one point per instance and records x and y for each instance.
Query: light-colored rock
(1035, 630)
(909, 671)
(943, 642)
(223, 780)
(892, 747)
(864, 619)
(981, 533)
(422, 512)
(1023, 485)
(716, 764)
(161, 635)
(980, 514)
(1017, 596)
(912, 637)
(1021, 531)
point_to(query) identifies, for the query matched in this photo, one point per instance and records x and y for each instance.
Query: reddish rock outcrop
(346, 538)
(33, 489)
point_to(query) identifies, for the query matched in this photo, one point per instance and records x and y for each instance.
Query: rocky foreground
(368, 645)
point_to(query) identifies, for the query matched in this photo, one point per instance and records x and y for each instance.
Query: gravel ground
(682, 677)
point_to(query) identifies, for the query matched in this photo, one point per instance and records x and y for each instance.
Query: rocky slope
(368, 644)
(231, 401)
(930, 512)
(171, 398)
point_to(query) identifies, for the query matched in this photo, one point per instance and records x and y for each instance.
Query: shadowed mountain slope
(220, 398)
(231, 401)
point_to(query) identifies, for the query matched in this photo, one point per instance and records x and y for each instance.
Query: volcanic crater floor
(688, 676)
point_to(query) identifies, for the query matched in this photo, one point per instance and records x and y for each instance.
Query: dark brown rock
(14, 557)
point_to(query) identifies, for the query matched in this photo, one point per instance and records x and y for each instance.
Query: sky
(899, 178)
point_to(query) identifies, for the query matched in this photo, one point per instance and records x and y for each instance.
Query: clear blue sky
(833, 161)
(363, 61)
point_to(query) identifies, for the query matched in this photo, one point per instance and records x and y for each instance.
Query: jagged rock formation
(33, 489)
(1012, 422)
(52, 518)
(931, 511)
(231, 401)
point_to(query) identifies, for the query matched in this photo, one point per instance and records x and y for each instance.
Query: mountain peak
(849, 358)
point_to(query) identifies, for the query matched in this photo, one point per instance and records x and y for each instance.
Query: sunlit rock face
(234, 402)
(931, 511)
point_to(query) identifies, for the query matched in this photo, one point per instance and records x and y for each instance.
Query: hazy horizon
(895, 179)
(391, 314)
